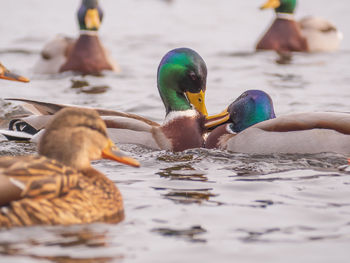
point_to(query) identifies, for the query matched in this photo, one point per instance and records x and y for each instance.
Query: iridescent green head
(252, 107)
(181, 80)
(281, 6)
(90, 15)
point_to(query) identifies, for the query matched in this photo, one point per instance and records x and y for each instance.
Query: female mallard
(181, 79)
(59, 186)
(6, 74)
(311, 34)
(85, 55)
(253, 128)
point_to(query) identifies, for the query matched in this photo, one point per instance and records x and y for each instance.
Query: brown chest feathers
(185, 132)
(283, 35)
(87, 56)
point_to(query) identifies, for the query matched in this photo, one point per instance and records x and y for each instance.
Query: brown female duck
(181, 79)
(59, 186)
(6, 74)
(86, 55)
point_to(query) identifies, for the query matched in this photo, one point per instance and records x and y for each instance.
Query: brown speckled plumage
(46, 191)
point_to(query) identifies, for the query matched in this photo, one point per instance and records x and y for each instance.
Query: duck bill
(216, 120)
(92, 19)
(5, 74)
(198, 101)
(271, 4)
(112, 152)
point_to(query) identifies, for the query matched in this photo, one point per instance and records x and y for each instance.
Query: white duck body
(295, 133)
(321, 35)
(54, 55)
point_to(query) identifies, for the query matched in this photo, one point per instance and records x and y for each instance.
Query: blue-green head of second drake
(252, 107)
(90, 15)
(281, 6)
(181, 80)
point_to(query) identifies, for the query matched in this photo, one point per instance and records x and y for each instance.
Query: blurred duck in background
(310, 34)
(6, 74)
(85, 55)
(59, 186)
(254, 128)
(181, 81)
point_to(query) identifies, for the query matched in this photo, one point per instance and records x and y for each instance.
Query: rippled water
(206, 205)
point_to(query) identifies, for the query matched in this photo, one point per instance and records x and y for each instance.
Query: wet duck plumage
(59, 186)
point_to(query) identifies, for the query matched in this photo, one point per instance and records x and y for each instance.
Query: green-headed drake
(253, 128)
(181, 81)
(6, 74)
(85, 55)
(59, 185)
(311, 34)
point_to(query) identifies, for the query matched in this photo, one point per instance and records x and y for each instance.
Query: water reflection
(256, 164)
(183, 172)
(189, 234)
(287, 81)
(191, 196)
(284, 58)
(45, 243)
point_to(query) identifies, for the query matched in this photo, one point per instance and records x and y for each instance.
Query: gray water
(198, 205)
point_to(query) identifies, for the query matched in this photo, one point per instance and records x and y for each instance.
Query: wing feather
(39, 177)
(339, 122)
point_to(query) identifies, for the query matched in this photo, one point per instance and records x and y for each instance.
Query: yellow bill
(92, 19)
(112, 152)
(216, 120)
(271, 4)
(198, 101)
(6, 74)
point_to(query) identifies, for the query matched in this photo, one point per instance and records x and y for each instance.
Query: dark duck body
(59, 186)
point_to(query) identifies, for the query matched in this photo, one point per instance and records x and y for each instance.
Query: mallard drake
(253, 128)
(6, 74)
(311, 34)
(59, 186)
(181, 79)
(86, 55)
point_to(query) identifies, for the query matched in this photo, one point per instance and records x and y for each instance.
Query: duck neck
(173, 99)
(88, 32)
(286, 16)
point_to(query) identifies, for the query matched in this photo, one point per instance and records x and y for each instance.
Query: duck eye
(193, 75)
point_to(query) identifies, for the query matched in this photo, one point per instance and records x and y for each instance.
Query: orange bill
(6, 74)
(112, 152)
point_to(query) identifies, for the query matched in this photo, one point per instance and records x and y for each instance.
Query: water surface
(206, 205)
